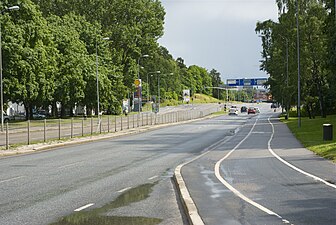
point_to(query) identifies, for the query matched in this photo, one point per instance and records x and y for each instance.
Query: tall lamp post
(139, 97)
(2, 12)
(287, 69)
(298, 55)
(97, 77)
(159, 88)
(148, 88)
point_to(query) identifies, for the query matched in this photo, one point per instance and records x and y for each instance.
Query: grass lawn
(311, 134)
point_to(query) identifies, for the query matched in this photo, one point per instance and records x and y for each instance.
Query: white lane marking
(235, 191)
(11, 179)
(153, 177)
(292, 166)
(189, 203)
(69, 165)
(123, 190)
(84, 207)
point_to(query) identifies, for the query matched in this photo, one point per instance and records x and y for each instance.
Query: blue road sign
(246, 82)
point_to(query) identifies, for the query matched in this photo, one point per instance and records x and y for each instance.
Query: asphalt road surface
(262, 175)
(127, 180)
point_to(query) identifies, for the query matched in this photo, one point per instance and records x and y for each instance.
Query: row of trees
(50, 48)
(317, 32)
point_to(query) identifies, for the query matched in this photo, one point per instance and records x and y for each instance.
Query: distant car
(38, 116)
(243, 109)
(251, 110)
(233, 111)
(6, 118)
(273, 106)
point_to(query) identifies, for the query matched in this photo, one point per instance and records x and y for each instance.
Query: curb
(189, 206)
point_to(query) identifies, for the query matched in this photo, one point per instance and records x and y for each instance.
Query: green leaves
(50, 49)
(315, 40)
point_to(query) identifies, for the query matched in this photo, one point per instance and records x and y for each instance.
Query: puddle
(98, 217)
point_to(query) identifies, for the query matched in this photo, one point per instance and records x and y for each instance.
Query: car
(6, 118)
(251, 110)
(273, 106)
(243, 109)
(38, 116)
(233, 111)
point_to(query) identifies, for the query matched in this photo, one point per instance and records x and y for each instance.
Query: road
(128, 178)
(262, 175)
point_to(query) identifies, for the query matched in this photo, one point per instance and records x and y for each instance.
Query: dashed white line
(84, 207)
(153, 177)
(11, 179)
(69, 165)
(123, 190)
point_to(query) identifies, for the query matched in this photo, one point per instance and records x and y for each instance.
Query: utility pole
(298, 55)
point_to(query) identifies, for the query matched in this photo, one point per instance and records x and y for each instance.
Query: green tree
(30, 58)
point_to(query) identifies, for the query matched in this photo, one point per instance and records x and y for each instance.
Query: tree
(30, 56)
(313, 52)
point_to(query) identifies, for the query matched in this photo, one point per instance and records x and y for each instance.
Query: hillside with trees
(51, 50)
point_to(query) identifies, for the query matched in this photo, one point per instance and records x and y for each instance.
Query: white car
(233, 111)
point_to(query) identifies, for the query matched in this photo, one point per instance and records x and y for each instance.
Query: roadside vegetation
(311, 134)
(50, 52)
(317, 55)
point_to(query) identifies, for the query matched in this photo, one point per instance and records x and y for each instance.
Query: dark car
(243, 109)
(251, 110)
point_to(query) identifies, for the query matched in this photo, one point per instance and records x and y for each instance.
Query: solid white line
(151, 178)
(235, 191)
(11, 179)
(189, 203)
(125, 189)
(292, 166)
(84, 207)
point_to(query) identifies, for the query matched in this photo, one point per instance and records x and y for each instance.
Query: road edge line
(189, 206)
(235, 191)
(316, 178)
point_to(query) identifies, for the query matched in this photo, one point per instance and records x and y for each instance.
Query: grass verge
(311, 134)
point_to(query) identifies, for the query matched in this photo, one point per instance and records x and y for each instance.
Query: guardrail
(37, 131)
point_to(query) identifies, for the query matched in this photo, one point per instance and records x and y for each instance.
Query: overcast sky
(217, 34)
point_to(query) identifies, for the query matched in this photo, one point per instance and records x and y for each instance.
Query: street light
(2, 12)
(148, 88)
(298, 55)
(97, 77)
(159, 87)
(139, 97)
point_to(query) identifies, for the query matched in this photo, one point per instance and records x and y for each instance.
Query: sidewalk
(293, 152)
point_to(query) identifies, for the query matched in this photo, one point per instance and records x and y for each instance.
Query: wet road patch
(97, 216)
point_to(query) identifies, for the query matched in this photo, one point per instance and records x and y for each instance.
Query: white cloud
(217, 33)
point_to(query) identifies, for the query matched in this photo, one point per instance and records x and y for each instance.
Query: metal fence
(36, 131)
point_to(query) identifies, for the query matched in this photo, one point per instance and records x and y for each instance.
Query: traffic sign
(137, 82)
(246, 82)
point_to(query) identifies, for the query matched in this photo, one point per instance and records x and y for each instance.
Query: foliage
(317, 55)
(54, 51)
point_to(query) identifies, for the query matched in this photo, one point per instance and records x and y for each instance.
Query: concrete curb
(188, 204)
